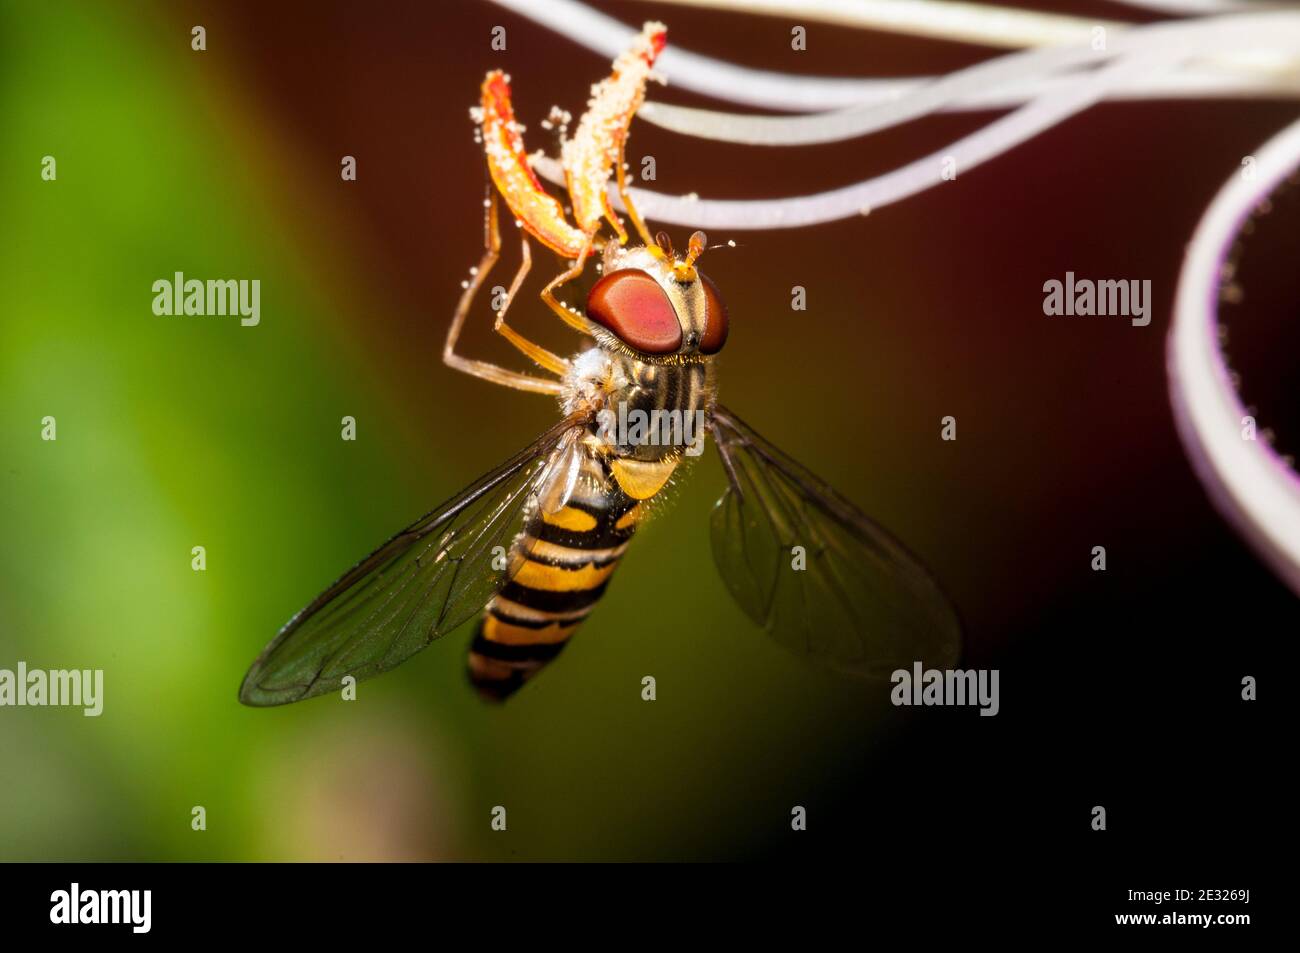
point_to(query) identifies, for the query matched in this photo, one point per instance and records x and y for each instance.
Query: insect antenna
(695, 248)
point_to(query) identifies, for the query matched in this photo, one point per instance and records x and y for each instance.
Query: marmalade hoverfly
(532, 544)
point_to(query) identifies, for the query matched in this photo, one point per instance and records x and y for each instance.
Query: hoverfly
(532, 544)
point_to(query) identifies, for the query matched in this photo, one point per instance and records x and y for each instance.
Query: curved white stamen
(1160, 50)
(982, 23)
(1192, 7)
(702, 74)
(1246, 479)
(864, 120)
(773, 90)
(980, 78)
(924, 97)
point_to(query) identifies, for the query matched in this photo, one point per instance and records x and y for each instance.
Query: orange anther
(537, 211)
(590, 155)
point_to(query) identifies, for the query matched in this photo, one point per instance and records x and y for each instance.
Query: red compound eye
(631, 304)
(715, 319)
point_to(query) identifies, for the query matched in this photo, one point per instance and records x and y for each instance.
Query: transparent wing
(862, 603)
(424, 582)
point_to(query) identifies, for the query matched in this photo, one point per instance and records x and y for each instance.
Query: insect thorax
(643, 411)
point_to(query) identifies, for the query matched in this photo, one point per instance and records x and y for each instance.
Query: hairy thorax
(646, 416)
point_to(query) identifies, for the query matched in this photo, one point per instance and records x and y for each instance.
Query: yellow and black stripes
(669, 397)
(563, 560)
(566, 560)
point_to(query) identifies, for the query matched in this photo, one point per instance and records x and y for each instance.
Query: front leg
(567, 314)
(482, 369)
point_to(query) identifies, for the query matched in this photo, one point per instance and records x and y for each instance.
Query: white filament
(772, 90)
(701, 74)
(975, 80)
(863, 120)
(985, 24)
(1191, 83)
(1280, 31)
(1249, 484)
(1192, 7)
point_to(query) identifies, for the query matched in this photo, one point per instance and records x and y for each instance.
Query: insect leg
(612, 217)
(540, 355)
(490, 372)
(632, 213)
(536, 212)
(569, 317)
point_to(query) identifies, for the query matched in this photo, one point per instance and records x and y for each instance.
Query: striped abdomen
(567, 559)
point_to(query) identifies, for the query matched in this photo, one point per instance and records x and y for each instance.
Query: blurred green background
(182, 431)
(175, 432)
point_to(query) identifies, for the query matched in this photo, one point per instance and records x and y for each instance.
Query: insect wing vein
(860, 603)
(398, 600)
